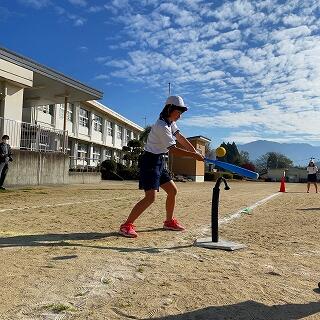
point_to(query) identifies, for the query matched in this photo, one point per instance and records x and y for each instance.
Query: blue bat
(233, 168)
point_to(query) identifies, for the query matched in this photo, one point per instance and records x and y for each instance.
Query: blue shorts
(152, 171)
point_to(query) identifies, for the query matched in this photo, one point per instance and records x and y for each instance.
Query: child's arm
(185, 153)
(184, 142)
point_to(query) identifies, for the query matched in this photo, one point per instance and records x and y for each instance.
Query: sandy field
(61, 256)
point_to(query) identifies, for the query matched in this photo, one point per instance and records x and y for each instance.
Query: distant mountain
(299, 153)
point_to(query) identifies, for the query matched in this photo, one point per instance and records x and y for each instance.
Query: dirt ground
(61, 256)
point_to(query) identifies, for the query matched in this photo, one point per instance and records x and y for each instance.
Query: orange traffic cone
(282, 185)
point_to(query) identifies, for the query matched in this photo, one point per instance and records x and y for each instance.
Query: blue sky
(248, 70)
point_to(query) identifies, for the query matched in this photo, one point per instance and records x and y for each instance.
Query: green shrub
(227, 175)
(108, 165)
(211, 176)
(237, 177)
(129, 173)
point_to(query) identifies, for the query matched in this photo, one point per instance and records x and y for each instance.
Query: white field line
(62, 204)
(239, 213)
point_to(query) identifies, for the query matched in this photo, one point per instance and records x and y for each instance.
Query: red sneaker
(173, 225)
(127, 230)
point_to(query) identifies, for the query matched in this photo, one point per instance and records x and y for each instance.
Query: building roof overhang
(48, 84)
(201, 138)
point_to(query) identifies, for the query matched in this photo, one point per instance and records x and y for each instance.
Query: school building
(48, 138)
(60, 132)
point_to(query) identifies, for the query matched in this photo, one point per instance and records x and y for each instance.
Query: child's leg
(171, 190)
(142, 205)
(315, 184)
(308, 186)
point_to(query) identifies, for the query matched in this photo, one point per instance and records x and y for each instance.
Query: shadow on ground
(248, 310)
(67, 239)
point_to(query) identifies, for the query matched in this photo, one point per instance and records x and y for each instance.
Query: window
(108, 154)
(69, 111)
(116, 156)
(82, 151)
(135, 136)
(84, 118)
(96, 154)
(97, 123)
(119, 133)
(47, 109)
(128, 136)
(109, 128)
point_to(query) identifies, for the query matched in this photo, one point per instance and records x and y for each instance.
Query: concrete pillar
(114, 133)
(90, 154)
(90, 119)
(74, 153)
(55, 115)
(104, 131)
(75, 120)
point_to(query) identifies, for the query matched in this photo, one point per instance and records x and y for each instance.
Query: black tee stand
(214, 242)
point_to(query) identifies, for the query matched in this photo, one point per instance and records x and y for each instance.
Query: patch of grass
(59, 307)
(140, 269)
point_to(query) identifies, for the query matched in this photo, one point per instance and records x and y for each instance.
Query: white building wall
(89, 136)
(12, 102)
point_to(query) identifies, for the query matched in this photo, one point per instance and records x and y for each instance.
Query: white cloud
(255, 62)
(83, 48)
(290, 33)
(94, 9)
(101, 77)
(38, 4)
(81, 3)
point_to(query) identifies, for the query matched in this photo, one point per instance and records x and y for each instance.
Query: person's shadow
(248, 310)
(67, 239)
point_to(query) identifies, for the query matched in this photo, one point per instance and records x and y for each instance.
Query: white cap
(178, 102)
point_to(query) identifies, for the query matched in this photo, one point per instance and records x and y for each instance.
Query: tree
(144, 135)
(244, 157)
(132, 152)
(232, 153)
(209, 152)
(273, 160)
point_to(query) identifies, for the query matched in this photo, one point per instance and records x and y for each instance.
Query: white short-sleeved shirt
(161, 137)
(312, 170)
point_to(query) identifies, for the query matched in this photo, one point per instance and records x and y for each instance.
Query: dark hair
(5, 137)
(168, 108)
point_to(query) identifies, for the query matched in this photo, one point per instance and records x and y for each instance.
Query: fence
(27, 136)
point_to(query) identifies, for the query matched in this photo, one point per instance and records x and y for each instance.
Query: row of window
(82, 152)
(84, 120)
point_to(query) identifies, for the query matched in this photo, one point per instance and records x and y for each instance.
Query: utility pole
(145, 121)
(169, 87)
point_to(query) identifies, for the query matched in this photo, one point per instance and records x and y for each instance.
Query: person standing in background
(312, 170)
(5, 158)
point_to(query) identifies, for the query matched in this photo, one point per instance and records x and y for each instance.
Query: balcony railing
(27, 136)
